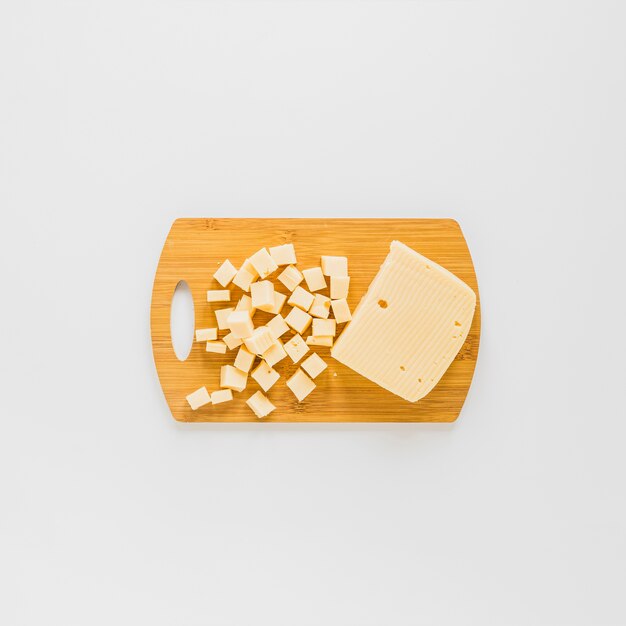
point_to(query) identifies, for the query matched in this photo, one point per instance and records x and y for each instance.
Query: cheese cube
(314, 365)
(260, 404)
(206, 334)
(421, 314)
(298, 319)
(296, 348)
(218, 347)
(320, 307)
(314, 278)
(275, 353)
(245, 304)
(231, 341)
(290, 277)
(240, 324)
(284, 255)
(244, 359)
(301, 385)
(324, 328)
(339, 287)
(233, 378)
(341, 310)
(260, 340)
(301, 298)
(265, 375)
(221, 395)
(325, 342)
(245, 276)
(335, 265)
(199, 398)
(225, 273)
(278, 327)
(247, 265)
(263, 263)
(277, 307)
(218, 295)
(262, 293)
(221, 315)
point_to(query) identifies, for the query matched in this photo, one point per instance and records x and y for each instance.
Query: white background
(117, 118)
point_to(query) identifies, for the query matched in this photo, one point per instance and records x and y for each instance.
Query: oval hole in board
(182, 320)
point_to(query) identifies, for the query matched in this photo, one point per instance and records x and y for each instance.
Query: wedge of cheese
(409, 326)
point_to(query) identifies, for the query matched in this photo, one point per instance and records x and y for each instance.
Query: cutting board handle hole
(182, 320)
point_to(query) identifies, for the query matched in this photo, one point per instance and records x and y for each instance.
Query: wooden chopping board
(193, 250)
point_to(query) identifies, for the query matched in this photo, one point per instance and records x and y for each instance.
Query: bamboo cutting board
(195, 248)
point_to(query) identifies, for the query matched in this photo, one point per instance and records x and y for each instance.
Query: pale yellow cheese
(314, 365)
(335, 265)
(259, 403)
(199, 398)
(320, 307)
(221, 315)
(265, 375)
(221, 395)
(240, 324)
(298, 319)
(275, 353)
(339, 286)
(278, 327)
(218, 295)
(301, 298)
(245, 304)
(341, 310)
(244, 359)
(296, 348)
(324, 328)
(249, 267)
(301, 385)
(409, 326)
(231, 341)
(218, 347)
(260, 340)
(314, 278)
(262, 292)
(225, 273)
(263, 263)
(245, 276)
(291, 277)
(284, 255)
(325, 342)
(233, 378)
(277, 305)
(206, 334)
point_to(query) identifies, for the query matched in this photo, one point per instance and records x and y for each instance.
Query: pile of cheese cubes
(309, 309)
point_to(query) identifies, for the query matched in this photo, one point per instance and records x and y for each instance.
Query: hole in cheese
(382, 304)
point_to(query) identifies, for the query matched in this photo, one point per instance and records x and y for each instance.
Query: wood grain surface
(195, 248)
